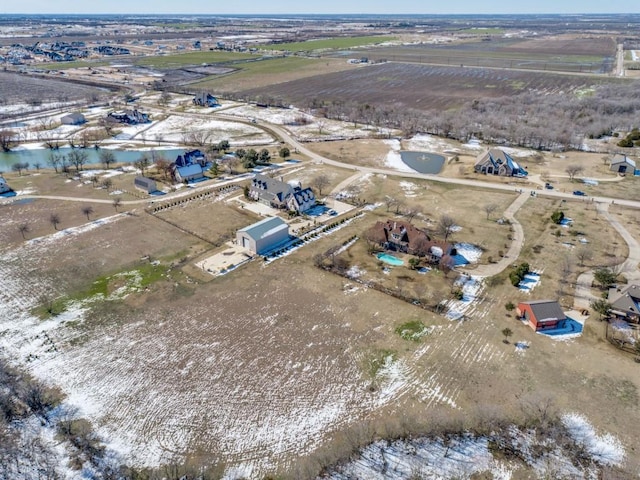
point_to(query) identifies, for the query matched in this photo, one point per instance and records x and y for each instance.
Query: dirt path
(516, 245)
(628, 268)
(345, 183)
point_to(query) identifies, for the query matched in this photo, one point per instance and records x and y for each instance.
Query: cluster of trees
(518, 273)
(557, 217)
(549, 121)
(250, 158)
(23, 454)
(631, 140)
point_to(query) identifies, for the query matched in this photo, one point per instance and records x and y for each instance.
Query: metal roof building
(264, 236)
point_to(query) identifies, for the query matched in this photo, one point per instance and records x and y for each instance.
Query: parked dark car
(548, 186)
(580, 193)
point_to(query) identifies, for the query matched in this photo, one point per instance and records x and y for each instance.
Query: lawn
(270, 71)
(191, 58)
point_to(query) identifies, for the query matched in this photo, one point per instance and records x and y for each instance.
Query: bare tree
(446, 264)
(197, 137)
(164, 99)
(389, 201)
(412, 211)
(566, 268)
(142, 164)
(163, 165)
(446, 226)
(320, 181)
(573, 170)
(54, 220)
(87, 210)
(24, 228)
(107, 158)
(584, 254)
(321, 124)
(107, 183)
(116, 203)
(78, 158)
(19, 167)
(489, 209)
(55, 161)
(8, 140)
(232, 162)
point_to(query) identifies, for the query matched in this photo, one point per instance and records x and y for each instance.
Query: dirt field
(22, 88)
(422, 87)
(275, 71)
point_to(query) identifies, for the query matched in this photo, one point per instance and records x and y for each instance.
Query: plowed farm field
(422, 86)
(561, 54)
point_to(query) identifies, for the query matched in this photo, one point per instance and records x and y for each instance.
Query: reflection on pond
(423, 162)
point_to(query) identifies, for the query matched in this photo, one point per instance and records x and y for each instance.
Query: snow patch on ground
(428, 143)
(468, 252)
(176, 127)
(471, 288)
(393, 158)
(605, 449)
(530, 281)
(466, 455)
(409, 188)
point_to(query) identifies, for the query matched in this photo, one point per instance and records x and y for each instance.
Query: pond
(423, 162)
(390, 259)
(40, 155)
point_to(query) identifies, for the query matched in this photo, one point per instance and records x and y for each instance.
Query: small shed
(75, 118)
(146, 184)
(541, 314)
(622, 164)
(264, 236)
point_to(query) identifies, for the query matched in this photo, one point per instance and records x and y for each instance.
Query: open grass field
(554, 249)
(191, 58)
(562, 54)
(423, 87)
(329, 43)
(271, 71)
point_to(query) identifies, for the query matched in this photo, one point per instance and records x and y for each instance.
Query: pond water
(423, 162)
(41, 155)
(390, 259)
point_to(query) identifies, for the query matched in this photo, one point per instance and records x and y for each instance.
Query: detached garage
(264, 236)
(542, 314)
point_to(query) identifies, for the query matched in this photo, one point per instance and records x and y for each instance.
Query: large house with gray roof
(264, 236)
(498, 162)
(279, 194)
(625, 302)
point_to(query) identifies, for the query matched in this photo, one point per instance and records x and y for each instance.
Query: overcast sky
(318, 6)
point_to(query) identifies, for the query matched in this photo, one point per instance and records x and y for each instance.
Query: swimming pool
(564, 327)
(390, 259)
